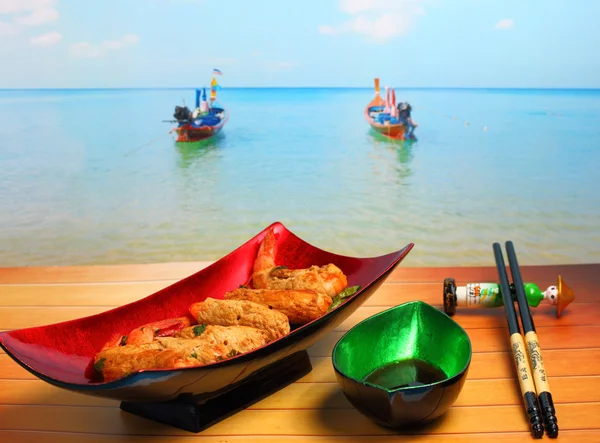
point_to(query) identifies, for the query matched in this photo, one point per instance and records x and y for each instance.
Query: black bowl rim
(444, 382)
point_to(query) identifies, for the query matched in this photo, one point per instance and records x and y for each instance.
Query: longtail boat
(387, 119)
(205, 121)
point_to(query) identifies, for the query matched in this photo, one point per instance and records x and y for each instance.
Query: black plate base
(186, 414)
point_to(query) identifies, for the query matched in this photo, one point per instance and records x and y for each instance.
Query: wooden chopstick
(533, 346)
(526, 382)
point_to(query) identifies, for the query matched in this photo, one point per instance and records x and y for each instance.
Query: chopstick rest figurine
(518, 349)
(533, 346)
(488, 295)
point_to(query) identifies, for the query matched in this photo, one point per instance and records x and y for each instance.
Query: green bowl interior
(414, 330)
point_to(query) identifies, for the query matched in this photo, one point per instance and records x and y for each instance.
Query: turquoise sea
(94, 177)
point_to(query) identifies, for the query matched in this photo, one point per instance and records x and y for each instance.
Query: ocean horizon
(93, 176)
(446, 88)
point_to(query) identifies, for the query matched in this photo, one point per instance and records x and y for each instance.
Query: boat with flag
(388, 118)
(206, 120)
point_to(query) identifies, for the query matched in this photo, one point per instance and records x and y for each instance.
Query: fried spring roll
(117, 362)
(235, 339)
(300, 306)
(214, 343)
(241, 313)
(328, 279)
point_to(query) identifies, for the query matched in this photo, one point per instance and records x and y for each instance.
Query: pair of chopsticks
(523, 357)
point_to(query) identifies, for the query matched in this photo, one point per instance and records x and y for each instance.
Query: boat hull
(188, 133)
(191, 133)
(388, 129)
(392, 131)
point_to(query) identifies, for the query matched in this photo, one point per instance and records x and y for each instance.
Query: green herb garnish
(194, 355)
(339, 299)
(199, 330)
(99, 365)
(123, 340)
(230, 354)
(277, 268)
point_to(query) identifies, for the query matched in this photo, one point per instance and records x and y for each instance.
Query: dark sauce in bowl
(405, 373)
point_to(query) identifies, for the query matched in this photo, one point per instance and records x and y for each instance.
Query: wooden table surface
(312, 410)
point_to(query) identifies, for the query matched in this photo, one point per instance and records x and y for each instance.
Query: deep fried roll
(242, 313)
(235, 339)
(328, 279)
(213, 343)
(300, 306)
(119, 361)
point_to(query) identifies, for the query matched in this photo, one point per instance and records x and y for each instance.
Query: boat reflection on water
(190, 153)
(395, 154)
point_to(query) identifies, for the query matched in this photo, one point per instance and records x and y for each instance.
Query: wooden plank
(17, 317)
(579, 436)
(313, 409)
(79, 294)
(117, 294)
(539, 274)
(582, 314)
(11, 370)
(315, 422)
(484, 365)
(482, 340)
(100, 273)
(492, 365)
(394, 293)
(318, 395)
(558, 363)
(494, 340)
(545, 274)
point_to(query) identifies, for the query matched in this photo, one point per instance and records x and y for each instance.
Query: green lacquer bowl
(403, 366)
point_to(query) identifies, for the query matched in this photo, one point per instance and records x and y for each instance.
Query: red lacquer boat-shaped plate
(62, 353)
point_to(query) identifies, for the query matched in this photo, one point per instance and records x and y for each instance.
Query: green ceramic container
(403, 366)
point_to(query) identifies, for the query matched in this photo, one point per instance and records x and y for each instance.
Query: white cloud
(504, 24)
(17, 6)
(8, 28)
(379, 20)
(356, 6)
(47, 39)
(383, 27)
(38, 17)
(16, 14)
(89, 50)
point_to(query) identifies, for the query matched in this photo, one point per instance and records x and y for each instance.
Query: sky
(307, 43)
